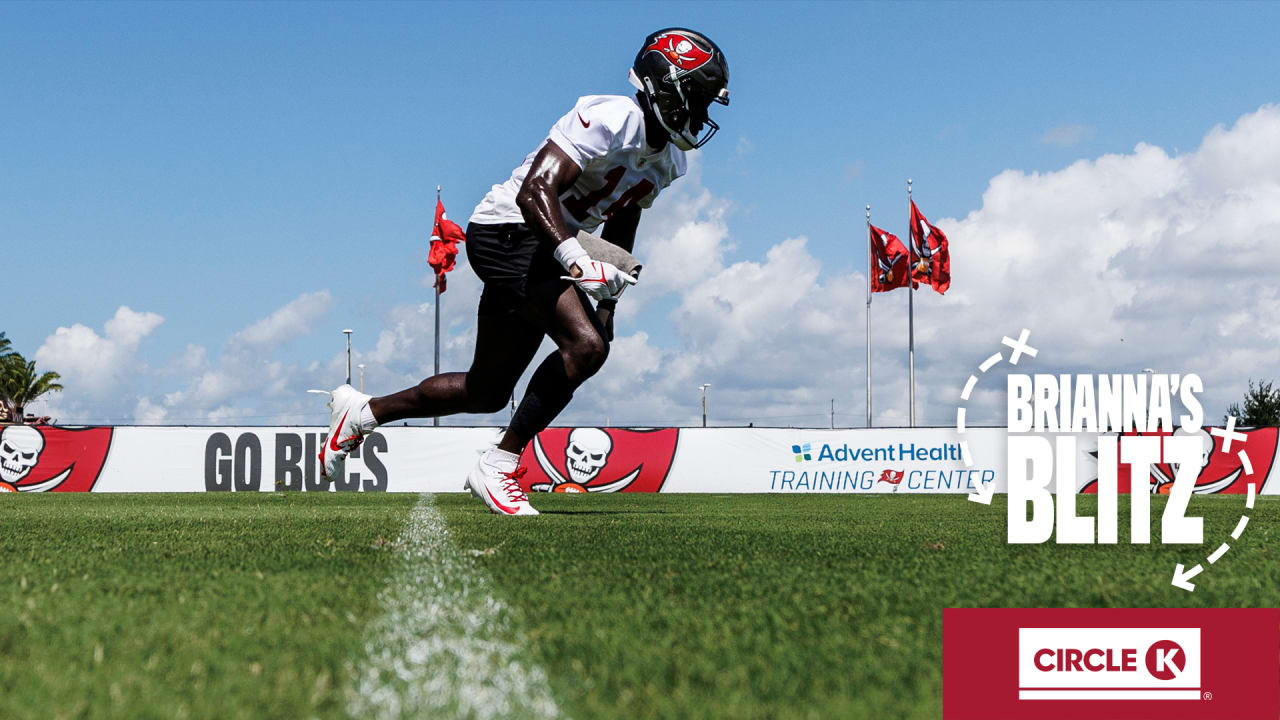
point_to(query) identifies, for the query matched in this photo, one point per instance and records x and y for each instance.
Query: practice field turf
(619, 606)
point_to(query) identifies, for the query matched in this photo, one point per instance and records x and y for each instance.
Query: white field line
(443, 646)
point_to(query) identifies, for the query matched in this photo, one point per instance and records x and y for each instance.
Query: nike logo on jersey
(585, 123)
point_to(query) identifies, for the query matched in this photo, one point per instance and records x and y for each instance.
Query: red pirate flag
(893, 477)
(929, 254)
(445, 236)
(889, 260)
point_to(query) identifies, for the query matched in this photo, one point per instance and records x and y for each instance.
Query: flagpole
(435, 421)
(911, 313)
(871, 264)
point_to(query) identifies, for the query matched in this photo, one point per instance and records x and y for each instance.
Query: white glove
(600, 280)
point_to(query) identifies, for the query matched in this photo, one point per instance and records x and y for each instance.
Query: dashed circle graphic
(1181, 576)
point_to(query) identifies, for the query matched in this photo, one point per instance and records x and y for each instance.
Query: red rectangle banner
(1135, 663)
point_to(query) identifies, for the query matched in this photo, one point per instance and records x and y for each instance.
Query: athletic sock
(367, 421)
(548, 393)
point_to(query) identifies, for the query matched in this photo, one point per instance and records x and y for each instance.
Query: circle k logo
(1108, 663)
(1165, 660)
(1095, 663)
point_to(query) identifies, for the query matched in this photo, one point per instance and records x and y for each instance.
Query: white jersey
(604, 135)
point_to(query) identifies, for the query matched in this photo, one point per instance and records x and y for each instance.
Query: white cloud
(127, 328)
(1143, 259)
(682, 239)
(291, 321)
(194, 359)
(246, 384)
(775, 341)
(148, 413)
(107, 382)
(1067, 135)
(98, 365)
(1126, 261)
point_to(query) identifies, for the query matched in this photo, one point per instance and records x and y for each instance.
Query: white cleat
(345, 435)
(496, 480)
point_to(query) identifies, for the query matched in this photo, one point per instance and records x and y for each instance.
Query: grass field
(618, 606)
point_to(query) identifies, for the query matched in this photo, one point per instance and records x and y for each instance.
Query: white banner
(925, 460)
(688, 460)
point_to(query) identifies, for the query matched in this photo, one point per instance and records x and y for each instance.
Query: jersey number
(580, 207)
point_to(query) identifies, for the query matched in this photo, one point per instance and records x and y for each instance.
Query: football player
(602, 163)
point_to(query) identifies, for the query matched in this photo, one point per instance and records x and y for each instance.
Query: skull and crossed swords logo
(585, 456)
(20, 448)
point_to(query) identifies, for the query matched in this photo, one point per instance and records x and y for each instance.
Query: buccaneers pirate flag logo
(51, 459)
(889, 260)
(1218, 472)
(930, 256)
(680, 51)
(598, 460)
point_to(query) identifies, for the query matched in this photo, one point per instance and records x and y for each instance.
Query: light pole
(704, 387)
(347, 332)
(870, 264)
(911, 319)
(361, 366)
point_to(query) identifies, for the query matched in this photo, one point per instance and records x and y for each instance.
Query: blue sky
(211, 162)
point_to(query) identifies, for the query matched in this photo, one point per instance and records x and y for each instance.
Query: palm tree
(5, 351)
(20, 384)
